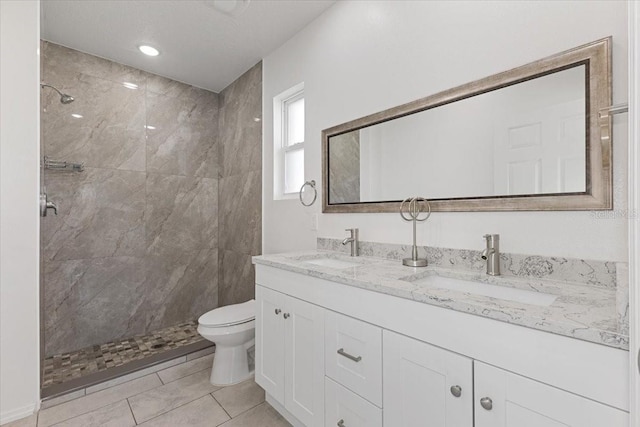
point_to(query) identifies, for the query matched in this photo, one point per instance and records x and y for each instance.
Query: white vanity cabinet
(290, 354)
(331, 354)
(423, 382)
(504, 399)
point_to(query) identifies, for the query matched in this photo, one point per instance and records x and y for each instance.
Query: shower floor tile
(64, 367)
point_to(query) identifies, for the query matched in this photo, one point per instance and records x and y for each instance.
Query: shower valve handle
(51, 205)
(45, 205)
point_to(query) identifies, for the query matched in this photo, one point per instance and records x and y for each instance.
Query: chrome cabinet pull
(456, 390)
(278, 311)
(341, 352)
(486, 403)
(286, 315)
(341, 423)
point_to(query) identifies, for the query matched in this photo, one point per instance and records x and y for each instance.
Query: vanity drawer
(353, 355)
(345, 408)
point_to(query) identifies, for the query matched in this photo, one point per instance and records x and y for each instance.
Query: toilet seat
(229, 315)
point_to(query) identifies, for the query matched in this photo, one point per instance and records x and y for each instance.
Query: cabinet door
(304, 361)
(425, 385)
(517, 401)
(270, 342)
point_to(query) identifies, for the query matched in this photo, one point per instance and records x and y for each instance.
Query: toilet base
(231, 365)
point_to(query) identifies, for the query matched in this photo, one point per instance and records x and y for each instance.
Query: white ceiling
(199, 44)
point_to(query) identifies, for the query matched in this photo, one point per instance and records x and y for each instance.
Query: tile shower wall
(134, 246)
(344, 173)
(240, 185)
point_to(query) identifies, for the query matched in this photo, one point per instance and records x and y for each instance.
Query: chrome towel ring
(311, 184)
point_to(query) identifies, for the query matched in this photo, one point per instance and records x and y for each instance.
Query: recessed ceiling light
(76, 116)
(229, 7)
(150, 127)
(149, 50)
(130, 85)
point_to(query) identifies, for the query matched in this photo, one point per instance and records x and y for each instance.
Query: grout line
(185, 376)
(85, 413)
(248, 409)
(173, 409)
(131, 410)
(102, 406)
(225, 411)
(160, 378)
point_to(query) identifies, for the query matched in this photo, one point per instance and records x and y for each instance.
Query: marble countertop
(580, 310)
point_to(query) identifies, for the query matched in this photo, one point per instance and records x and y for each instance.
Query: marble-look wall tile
(181, 213)
(237, 278)
(173, 88)
(134, 247)
(344, 172)
(90, 301)
(240, 213)
(103, 127)
(183, 133)
(100, 214)
(179, 287)
(240, 196)
(60, 63)
(240, 133)
(597, 273)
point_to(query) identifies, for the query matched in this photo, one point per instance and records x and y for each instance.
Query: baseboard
(16, 414)
(280, 409)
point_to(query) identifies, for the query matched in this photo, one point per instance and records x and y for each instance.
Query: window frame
(281, 139)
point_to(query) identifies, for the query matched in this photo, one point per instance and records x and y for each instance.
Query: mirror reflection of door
(541, 152)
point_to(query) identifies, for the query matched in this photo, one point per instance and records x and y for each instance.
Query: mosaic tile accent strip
(77, 364)
(595, 273)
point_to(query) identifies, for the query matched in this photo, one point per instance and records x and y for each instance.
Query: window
(288, 109)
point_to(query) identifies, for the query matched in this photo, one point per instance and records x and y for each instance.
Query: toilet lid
(230, 314)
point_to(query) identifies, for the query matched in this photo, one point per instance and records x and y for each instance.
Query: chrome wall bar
(614, 109)
(60, 165)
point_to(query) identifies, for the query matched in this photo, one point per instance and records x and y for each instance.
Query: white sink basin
(332, 263)
(487, 290)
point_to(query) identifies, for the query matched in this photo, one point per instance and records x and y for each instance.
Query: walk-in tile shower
(158, 225)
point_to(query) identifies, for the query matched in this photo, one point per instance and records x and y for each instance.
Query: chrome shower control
(456, 390)
(278, 311)
(286, 315)
(45, 204)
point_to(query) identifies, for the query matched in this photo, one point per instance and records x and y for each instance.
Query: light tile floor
(180, 395)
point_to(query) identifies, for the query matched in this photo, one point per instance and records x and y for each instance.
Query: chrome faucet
(353, 239)
(492, 254)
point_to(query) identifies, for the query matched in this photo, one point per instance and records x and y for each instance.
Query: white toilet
(232, 329)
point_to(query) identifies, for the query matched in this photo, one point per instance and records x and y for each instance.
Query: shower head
(64, 98)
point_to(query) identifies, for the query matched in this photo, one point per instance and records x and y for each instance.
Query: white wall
(19, 221)
(362, 57)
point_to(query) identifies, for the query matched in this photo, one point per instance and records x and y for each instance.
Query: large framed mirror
(526, 139)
